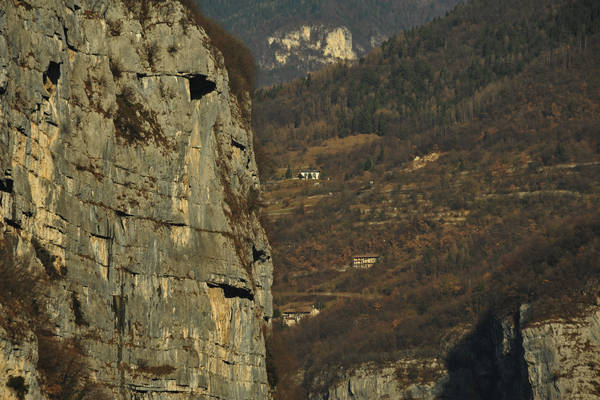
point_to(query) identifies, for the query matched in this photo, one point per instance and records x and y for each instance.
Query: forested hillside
(369, 21)
(466, 154)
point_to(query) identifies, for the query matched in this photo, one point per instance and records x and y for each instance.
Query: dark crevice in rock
(122, 214)
(175, 223)
(118, 306)
(259, 255)
(232, 291)
(140, 75)
(6, 185)
(99, 236)
(52, 72)
(47, 259)
(12, 223)
(17, 384)
(200, 86)
(66, 33)
(237, 144)
(76, 304)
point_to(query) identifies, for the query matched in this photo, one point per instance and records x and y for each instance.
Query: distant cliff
(503, 359)
(291, 38)
(128, 189)
(308, 48)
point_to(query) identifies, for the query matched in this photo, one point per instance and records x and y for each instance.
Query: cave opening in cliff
(200, 86)
(6, 185)
(52, 73)
(230, 291)
(259, 255)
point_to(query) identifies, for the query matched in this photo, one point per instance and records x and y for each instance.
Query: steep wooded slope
(464, 153)
(369, 22)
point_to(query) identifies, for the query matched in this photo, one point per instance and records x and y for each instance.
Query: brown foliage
(506, 215)
(61, 362)
(157, 370)
(20, 293)
(238, 59)
(136, 124)
(64, 370)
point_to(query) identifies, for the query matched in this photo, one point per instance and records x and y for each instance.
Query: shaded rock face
(502, 359)
(125, 159)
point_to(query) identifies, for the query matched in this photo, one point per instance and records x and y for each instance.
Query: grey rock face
(502, 359)
(563, 357)
(405, 379)
(131, 164)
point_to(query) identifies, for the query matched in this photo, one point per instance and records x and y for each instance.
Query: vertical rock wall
(502, 359)
(130, 163)
(563, 357)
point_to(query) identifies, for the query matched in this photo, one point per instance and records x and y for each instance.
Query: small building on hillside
(309, 174)
(293, 315)
(364, 260)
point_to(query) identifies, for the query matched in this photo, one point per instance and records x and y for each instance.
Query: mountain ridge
(369, 22)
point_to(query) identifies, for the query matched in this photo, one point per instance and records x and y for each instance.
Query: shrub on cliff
(62, 363)
(238, 58)
(19, 293)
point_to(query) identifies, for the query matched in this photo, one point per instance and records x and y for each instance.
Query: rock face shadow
(488, 364)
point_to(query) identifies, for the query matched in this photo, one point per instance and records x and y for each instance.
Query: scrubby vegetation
(134, 123)
(20, 293)
(423, 82)
(501, 104)
(237, 58)
(23, 295)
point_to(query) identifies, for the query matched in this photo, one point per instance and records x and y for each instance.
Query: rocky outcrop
(508, 358)
(307, 48)
(127, 169)
(563, 357)
(405, 379)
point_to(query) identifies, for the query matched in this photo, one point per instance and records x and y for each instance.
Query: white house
(309, 174)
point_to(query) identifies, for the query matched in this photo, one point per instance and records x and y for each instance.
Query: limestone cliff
(128, 174)
(307, 48)
(504, 359)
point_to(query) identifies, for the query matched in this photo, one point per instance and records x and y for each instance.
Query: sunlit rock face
(130, 163)
(307, 48)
